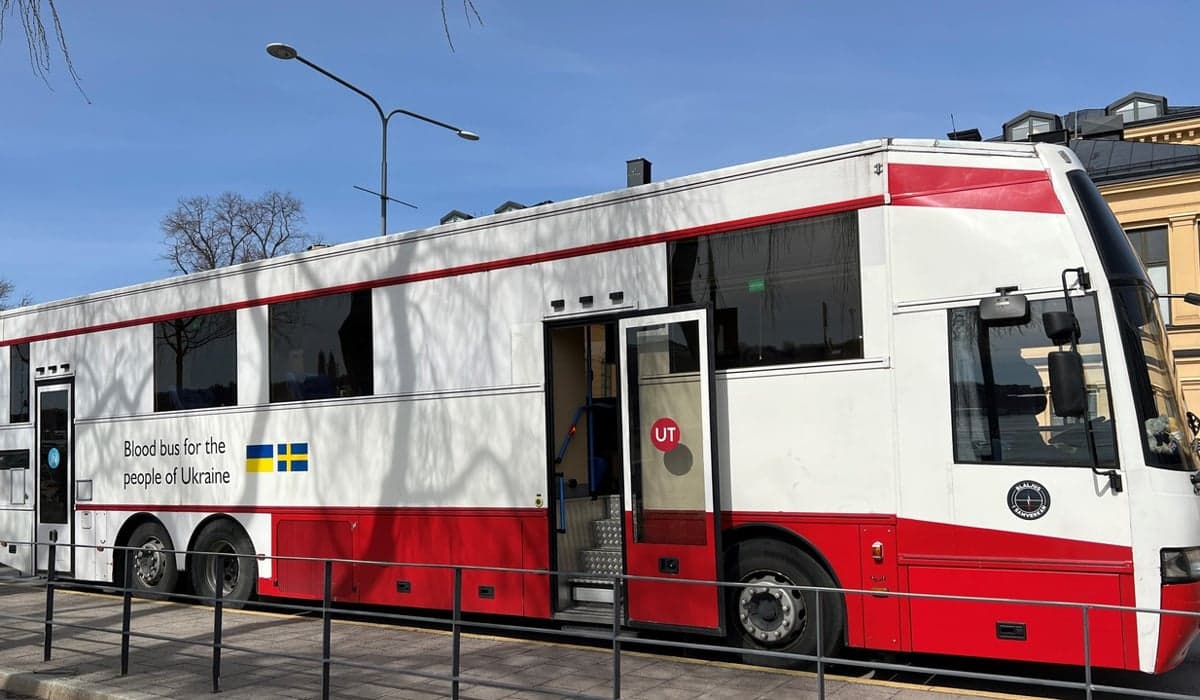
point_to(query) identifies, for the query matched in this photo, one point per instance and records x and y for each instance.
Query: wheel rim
(150, 562)
(768, 612)
(231, 570)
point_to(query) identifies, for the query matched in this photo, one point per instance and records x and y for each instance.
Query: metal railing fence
(613, 635)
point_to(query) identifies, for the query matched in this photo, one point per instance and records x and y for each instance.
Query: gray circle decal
(1028, 500)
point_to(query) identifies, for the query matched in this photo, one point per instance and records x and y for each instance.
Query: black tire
(763, 617)
(239, 568)
(152, 569)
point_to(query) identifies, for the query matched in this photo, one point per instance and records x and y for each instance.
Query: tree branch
(37, 38)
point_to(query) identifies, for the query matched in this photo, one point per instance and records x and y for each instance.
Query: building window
(18, 383)
(322, 347)
(781, 293)
(1137, 110)
(1028, 127)
(1150, 244)
(195, 362)
(1000, 397)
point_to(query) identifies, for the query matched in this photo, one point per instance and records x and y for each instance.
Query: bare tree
(203, 233)
(7, 289)
(39, 38)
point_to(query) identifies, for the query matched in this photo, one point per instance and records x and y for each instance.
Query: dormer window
(1137, 106)
(1028, 124)
(1029, 127)
(1136, 110)
(454, 216)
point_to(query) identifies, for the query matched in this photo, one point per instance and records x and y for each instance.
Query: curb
(31, 684)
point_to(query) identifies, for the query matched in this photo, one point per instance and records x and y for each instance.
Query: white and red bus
(895, 366)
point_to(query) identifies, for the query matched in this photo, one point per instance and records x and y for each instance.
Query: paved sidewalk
(86, 664)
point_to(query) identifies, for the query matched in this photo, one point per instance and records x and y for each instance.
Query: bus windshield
(1151, 376)
(1152, 379)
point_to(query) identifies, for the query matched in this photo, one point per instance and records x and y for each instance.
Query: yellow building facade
(1170, 204)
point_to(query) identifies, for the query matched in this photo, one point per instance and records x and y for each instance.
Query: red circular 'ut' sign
(665, 434)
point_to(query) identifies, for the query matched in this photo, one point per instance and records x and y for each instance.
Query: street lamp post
(285, 52)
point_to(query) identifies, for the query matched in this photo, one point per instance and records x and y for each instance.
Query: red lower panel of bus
(1177, 632)
(1020, 631)
(426, 538)
(913, 556)
(936, 558)
(942, 559)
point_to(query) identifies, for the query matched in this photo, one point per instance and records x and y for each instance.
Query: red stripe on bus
(972, 188)
(485, 266)
(924, 543)
(330, 511)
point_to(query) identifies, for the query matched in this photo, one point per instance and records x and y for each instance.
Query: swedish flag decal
(292, 457)
(260, 458)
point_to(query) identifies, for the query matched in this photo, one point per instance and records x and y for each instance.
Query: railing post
(218, 566)
(820, 646)
(48, 639)
(456, 634)
(616, 635)
(326, 628)
(126, 609)
(1087, 654)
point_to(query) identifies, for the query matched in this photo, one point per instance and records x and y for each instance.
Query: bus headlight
(1181, 565)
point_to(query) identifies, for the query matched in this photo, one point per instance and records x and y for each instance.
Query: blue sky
(185, 101)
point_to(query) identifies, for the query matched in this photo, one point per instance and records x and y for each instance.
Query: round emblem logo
(53, 458)
(1028, 500)
(665, 434)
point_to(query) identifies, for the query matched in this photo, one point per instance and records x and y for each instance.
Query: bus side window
(1000, 396)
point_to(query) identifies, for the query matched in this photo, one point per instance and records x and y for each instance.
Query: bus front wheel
(152, 568)
(236, 572)
(765, 615)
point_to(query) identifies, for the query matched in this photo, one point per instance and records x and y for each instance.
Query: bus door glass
(671, 514)
(55, 467)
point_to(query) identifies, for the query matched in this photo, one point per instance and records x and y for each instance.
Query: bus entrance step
(592, 590)
(587, 613)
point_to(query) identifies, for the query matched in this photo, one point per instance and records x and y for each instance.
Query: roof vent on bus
(965, 135)
(637, 172)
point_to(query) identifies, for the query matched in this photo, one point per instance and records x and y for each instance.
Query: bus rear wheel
(152, 568)
(765, 615)
(238, 569)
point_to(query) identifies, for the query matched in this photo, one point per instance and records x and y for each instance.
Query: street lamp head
(468, 135)
(281, 51)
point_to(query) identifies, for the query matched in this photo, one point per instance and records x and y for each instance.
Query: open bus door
(672, 508)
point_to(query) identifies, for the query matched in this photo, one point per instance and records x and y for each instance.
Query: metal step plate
(602, 561)
(606, 534)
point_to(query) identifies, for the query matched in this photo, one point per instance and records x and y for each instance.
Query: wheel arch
(766, 531)
(132, 522)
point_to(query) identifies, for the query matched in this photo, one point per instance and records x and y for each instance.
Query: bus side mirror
(1068, 390)
(1061, 327)
(1005, 310)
